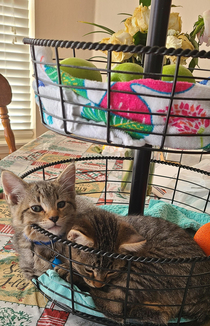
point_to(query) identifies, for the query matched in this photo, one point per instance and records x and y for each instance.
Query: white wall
(189, 11)
(59, 19)
(106, 13)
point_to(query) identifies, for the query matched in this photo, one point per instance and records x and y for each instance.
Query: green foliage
(124, 13)
(104, 28)
(140, 38)
(146, 3)
(194, 61)
(198, 27)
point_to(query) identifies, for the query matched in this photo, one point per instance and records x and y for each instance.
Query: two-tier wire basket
(146, 116)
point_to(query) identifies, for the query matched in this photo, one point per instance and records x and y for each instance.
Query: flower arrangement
(136, 28)
(135, 33)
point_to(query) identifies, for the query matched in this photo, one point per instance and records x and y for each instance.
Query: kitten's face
(49, 204)
(98, 270)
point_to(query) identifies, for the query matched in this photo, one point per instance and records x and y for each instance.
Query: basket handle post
(157, 33)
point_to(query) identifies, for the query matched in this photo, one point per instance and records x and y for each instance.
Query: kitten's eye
(37, 208)
(61, 204)
(110, 274)
(88, 270)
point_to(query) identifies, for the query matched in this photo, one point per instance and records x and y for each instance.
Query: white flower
(139, 21)
(173, 41)
(175, 22)
(178, 41)
(205, 37)
(121, 37)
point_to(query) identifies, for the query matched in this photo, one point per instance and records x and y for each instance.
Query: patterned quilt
(20, 302)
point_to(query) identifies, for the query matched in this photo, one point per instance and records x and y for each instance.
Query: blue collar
(40, 243)
(56, 260)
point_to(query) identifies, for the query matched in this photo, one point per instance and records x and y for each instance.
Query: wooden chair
(5, 99)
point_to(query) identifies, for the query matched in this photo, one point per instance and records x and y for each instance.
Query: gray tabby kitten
(155, 290)
(49, 204)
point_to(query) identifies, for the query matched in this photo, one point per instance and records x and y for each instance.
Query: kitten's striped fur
(49, 204)
(154, 293)
(154, 288)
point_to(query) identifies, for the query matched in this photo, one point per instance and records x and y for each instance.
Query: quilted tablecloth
(20, 302)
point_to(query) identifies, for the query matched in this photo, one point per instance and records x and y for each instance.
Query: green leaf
(96, 33)
(140, 38)
(193, 63)
(146, 3)
(122, 21)
(194, 43)
(124, 13)
(198, 27)
(108, 30)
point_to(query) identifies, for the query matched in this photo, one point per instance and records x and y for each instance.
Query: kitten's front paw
(28, 273)
(63, 272)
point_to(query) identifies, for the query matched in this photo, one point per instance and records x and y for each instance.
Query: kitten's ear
(67, 177)
(130, 240)
(80, 238)
(13, 186)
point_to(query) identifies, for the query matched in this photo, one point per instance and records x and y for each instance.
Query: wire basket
(145, 113)
(108, 178)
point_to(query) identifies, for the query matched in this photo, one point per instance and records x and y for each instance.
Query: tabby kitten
(156, 290)
(49, 204)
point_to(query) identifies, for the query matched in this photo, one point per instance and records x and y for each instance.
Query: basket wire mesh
(152, 54)
(107, 177)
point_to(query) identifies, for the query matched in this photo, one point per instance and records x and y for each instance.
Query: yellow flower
(139, 21)
(186, 44)
(121, 37)
(175, 22)
(178, 41)
(172, 40)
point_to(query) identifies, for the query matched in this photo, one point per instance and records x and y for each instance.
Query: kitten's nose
(98, 284)
(54, 218)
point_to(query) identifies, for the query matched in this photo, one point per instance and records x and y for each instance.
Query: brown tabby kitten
(156, 290)
(49, 204)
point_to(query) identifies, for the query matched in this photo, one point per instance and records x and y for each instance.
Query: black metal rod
(71, 280)
(140, 174)
(185, 292)
(109, 60)
(157, 33)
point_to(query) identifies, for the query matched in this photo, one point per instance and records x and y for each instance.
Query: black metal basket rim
(112, 127)
(146, 147)
(112, 255)
(99, 320)
(95, 319)
(117, 48)
(90, 158)
(108, 254)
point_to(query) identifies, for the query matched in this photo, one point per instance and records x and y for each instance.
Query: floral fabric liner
(138, 109)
